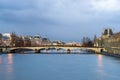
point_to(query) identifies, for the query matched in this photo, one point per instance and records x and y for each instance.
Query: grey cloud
(58, 11)
(55, 16)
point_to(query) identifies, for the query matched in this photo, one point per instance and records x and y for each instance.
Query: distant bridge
(56, 47)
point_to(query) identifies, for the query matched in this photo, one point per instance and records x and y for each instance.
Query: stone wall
(112, 44)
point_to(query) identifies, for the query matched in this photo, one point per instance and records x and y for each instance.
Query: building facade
(0, 39)
(6, 39)
(58, 42)
(110, 41)
(46, 41)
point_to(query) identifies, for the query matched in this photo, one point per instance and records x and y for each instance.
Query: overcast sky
(67, 20)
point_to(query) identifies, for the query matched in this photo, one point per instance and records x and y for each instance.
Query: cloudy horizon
(67, 20)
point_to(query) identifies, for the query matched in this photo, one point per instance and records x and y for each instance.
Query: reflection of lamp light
(9, 68)
(100, 70)
(99, 60)
(10, 61)
(0, 60)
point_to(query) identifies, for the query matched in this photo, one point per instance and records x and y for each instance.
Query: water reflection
(60, 51)
(10, 58)
(6, 66)
(9, 67)
(0, 60)
(100, 67)
(100, 61)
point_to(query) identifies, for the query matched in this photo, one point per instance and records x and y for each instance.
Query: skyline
(67, 20)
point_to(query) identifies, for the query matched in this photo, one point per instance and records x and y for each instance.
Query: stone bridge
(66, 48)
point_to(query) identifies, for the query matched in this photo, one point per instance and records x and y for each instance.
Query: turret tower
(107, 33)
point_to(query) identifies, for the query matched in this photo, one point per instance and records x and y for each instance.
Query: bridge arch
(20, 50)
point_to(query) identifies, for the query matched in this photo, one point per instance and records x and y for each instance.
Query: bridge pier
(1, 50)
(37, 51)
(68, 50)
(4, 50)
(99, 50)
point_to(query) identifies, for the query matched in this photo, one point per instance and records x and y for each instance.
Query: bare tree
(87, 41)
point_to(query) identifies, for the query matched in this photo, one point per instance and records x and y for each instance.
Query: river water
(59, 67)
